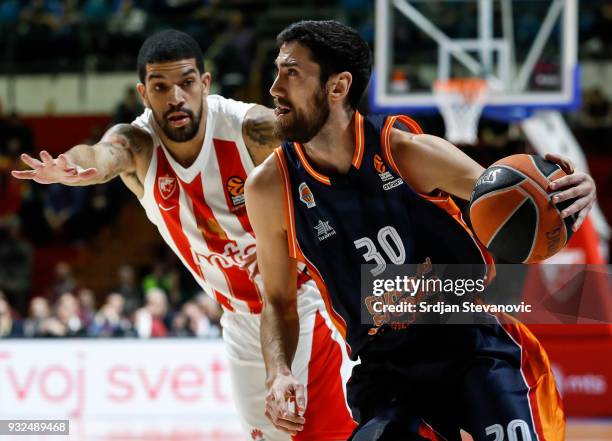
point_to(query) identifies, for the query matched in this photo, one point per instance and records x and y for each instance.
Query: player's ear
(140, 88)
(339, 85)
(206, 79)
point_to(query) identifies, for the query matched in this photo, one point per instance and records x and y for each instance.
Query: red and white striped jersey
(200, 210)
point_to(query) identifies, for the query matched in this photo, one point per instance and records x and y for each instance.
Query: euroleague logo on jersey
(389, 180)
(167, 186)
(235, 189)
(306, 195)
(379, 165)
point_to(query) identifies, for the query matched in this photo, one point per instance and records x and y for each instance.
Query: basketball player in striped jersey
(186, 159)
(346, 190)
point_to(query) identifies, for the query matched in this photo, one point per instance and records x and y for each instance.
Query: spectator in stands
(63, 209)
(110, 321)
(126, 29)
(127, 20)
(212, 311)
(103, 202)
(87, 306)
(66, 321)
(166, 276)
(41, 16)
(9, 12)
(16, 132)
(94, 17)
(180, 326)
(233, 53)
(39, 312)
(64, 279)
(127, 286)
(10, 191)
(157, 278)
(95, 11)
(149, 320)
(9, 326)
(15, 262)
(198, 323)
(129, 108)
(71, 16)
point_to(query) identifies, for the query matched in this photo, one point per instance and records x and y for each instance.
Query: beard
(180, 134)
(301, 126)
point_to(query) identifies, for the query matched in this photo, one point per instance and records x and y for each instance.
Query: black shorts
(431, 382)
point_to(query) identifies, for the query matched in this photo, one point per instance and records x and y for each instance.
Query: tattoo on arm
(130, 137)
(259, 128)
(259, 131)
(121, 145)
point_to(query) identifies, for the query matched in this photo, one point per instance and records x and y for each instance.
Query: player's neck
(332, 149)
(185, 153)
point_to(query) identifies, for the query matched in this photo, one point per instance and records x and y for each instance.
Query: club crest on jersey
(306, 195)
(389, 180)
(235, 189)
(324, 230)
(167, 186)
(257, 435)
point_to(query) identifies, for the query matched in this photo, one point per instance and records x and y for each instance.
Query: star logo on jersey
(306, 195)
(235, 189)
(257, 435)
(167, 186)
(324, 230)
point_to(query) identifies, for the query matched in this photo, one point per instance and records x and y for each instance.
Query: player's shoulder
(264, 195)
(136, 138)
(265, 177)
(228, 107)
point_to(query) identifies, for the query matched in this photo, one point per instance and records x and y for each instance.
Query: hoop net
(461, 101)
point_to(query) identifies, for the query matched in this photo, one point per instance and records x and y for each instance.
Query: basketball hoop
(461, 101)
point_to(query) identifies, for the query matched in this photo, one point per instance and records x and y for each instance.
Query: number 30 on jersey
(389, 242)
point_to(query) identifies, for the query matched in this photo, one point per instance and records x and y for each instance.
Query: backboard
(525, 49)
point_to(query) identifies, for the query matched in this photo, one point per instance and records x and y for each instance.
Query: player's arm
(119, 152)
(258, 133)
(279, 319)
(429, 163)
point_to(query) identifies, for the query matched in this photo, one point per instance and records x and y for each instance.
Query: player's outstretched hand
(48, 170)
(576, 185)
(285, 392)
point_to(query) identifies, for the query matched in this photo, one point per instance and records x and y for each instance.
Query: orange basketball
(512, 212)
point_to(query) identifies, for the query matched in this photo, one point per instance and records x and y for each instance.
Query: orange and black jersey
(483, 378)
(338, 222)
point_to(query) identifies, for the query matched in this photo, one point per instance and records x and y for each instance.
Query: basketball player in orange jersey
(345, 190)
(186, 158)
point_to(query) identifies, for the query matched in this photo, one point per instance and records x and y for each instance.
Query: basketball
(512, 211)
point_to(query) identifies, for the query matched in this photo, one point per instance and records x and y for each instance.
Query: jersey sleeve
(143, 121)
(232, 109)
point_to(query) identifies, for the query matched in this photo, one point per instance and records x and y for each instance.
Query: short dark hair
(336, 48)
(168, 45)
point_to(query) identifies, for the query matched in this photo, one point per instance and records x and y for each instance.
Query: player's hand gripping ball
(512, 212)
